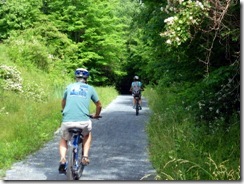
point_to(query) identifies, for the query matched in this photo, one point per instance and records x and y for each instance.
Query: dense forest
(186, 52)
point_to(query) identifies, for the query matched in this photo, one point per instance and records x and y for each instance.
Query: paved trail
(118, 151)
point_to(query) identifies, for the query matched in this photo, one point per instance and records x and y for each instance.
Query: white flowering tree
(185, 16)
(209, 31)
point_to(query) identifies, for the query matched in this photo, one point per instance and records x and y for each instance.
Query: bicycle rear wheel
(137, 107)
(79, 172)
(69, 172)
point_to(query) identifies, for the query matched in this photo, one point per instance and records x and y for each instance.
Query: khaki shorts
(86, 127)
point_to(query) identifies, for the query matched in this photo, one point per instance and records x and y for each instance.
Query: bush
(181, 149)
(28, 51)
(10, 78)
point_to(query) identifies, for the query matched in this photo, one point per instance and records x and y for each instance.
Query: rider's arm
(98, 109)
(63, 103)
(141, 87)
(131, 87)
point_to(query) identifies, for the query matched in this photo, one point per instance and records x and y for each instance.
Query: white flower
(168, 41)
(169, 20)
(200, 4)
(180, 1)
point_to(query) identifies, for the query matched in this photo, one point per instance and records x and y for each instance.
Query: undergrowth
(180, 149)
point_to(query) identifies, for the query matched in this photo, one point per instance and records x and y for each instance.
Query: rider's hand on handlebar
(93, 116)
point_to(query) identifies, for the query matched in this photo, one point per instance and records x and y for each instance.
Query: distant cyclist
(136, 85)
(75, 105)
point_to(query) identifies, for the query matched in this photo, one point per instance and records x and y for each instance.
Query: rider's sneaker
(140, 108)
(85, 161)
(62, 168)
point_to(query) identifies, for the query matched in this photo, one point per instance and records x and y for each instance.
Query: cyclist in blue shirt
(136, 85)
(75, 105)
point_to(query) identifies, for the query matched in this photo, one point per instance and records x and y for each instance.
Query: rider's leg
(62, 150)
(86, 144)
(134, 102)
(140, 102)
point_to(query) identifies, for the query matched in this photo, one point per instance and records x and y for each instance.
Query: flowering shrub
(10, 78)
(35, 92)
(186, 15)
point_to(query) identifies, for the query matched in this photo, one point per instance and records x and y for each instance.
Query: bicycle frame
(74, 167)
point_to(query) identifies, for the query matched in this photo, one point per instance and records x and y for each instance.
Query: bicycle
(74, 167)
(137, 96)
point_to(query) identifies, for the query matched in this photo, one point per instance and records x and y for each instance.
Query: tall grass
(25, 126)
(179, 150)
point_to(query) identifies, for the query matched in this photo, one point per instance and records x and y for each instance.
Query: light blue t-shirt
(136, 85)
(78, 97)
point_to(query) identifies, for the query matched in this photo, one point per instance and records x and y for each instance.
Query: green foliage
(98, 33)
(27, 50)
(220, 96)
(70, 33)
(197, 65)
(18, 15)
(180, 150)
(102, 48)
(41, 47)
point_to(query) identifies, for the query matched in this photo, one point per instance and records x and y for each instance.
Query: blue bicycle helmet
(81, 73)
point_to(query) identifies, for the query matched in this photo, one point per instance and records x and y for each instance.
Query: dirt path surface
(118, 151)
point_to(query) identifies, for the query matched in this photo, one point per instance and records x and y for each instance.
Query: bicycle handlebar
(91, 116)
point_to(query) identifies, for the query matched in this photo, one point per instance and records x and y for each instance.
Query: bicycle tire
(69, 172)
(81, 167)
(137, 107)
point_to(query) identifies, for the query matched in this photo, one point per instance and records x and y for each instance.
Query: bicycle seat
(75, 130)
